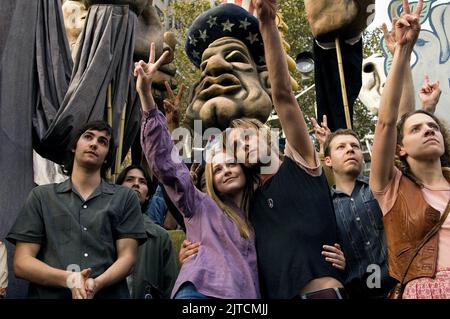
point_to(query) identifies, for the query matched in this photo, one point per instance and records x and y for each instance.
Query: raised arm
(288, 110)
(407, 100)
(157, 145)
(429, 95)
(407, 30)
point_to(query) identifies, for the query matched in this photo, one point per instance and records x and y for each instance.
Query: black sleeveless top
(293, 217)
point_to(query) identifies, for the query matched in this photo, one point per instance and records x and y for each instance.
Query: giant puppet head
(343, 18)
(225, 43)
(74, 13)
(373, 80)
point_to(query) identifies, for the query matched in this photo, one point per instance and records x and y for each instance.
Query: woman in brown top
(414, 195)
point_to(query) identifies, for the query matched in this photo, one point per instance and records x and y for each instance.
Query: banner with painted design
(431, 53)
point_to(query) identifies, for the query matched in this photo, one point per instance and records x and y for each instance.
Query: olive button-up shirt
(76, 234)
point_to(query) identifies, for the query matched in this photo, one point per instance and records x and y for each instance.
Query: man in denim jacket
(358, 217)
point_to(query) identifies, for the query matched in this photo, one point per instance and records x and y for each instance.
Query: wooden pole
(120, 148)
(343, 87)
(109, 118)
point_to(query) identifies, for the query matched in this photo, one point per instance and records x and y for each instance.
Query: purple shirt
(225, 266)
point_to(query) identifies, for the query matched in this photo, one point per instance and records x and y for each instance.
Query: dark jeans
(188, 291)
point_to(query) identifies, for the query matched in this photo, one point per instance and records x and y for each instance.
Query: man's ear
(328, 162)
(263, 75)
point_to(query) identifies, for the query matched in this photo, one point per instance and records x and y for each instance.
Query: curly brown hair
(400, 161)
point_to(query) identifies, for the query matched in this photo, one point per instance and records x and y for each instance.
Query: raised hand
(266, 10)
(196, 173)
(429, 95)
(321, 131)
(389, 36)
(172, 106)
(407, 27)
(145, 71)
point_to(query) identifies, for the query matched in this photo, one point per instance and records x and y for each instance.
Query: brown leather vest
(405, 225)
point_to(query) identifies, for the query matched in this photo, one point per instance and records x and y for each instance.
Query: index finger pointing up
(324, 121)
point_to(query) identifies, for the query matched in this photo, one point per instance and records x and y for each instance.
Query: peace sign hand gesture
(172, 106)
(407, 27)
(145, 72)
(321, 131)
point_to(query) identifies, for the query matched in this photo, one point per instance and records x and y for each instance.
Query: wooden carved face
(231, 86)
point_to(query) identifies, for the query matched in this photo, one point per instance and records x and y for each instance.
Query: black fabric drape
(18, 95)
(328, 83)
(53, 64)
(105, 56)
(18, 89)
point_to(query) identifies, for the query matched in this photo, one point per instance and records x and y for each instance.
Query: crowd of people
(312, 227)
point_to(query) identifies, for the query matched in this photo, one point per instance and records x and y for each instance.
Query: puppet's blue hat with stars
(225, 20)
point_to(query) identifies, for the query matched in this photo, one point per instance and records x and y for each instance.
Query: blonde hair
(252, 123)
(243, 224)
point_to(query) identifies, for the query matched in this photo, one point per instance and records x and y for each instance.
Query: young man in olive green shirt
(79, 239)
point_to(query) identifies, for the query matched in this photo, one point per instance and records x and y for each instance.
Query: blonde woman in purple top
(225, 266)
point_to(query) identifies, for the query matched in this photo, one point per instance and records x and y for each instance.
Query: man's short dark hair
(121, 178)
(100, 126)
(329, 139)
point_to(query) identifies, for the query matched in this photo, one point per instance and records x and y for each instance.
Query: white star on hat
(212, 21)
(192, 40)
(195, 54)
(227, 25)
(244, 24)
(203, 35)
(252, 37)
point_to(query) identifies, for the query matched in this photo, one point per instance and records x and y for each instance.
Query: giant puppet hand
(344, 18)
